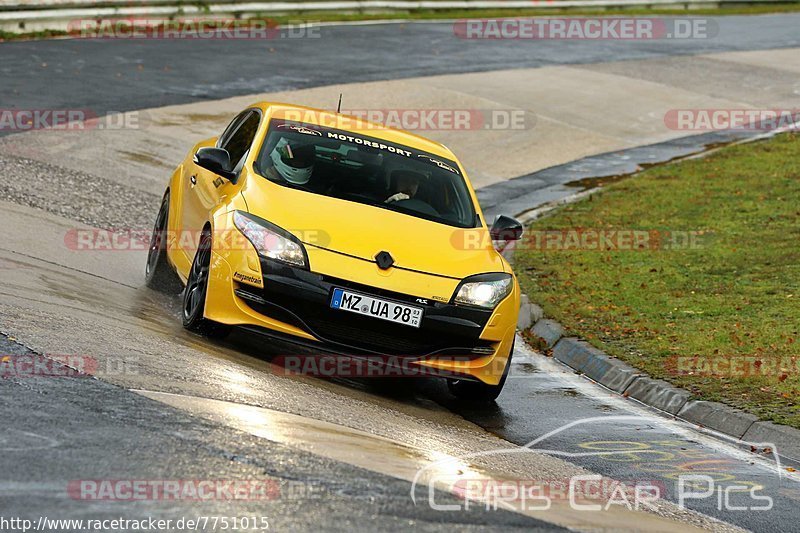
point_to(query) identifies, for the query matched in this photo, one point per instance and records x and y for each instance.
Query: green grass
(734, 294)
(439, 14)
(24, 36)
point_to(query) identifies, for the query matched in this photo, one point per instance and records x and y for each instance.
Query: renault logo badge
(384, 260)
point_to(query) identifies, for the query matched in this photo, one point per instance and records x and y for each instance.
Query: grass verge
(709, 298)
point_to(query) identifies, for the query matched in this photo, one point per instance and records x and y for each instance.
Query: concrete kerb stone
(546, 333)
(594, 364)
(529, 313)
(785, 439)
(611, 373)
(573, 352)
(658, 394)
(537, 313)
(524, 320)
(718, 416)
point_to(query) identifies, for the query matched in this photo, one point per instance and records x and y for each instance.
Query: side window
(238, 143)
(231, 128)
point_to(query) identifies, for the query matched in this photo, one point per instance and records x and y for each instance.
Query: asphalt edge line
(629, 382)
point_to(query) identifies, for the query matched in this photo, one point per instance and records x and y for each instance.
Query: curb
(782, 437)
(617, 376)
(659, 394)
(596, 365)
(546, 333)
(719, 417)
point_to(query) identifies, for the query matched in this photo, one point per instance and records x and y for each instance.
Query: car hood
(363, 231)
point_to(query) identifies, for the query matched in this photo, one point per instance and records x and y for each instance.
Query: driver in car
(406, 183)
(292, 161)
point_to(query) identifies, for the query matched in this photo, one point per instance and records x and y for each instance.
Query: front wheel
(194, 295)
(479, 392)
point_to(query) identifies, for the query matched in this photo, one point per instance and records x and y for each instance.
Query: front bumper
(302, 299)
(294, 305)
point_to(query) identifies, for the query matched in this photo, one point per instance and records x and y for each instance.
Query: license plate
(376, 307)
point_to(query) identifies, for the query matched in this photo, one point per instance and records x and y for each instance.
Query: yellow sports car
(340, 235)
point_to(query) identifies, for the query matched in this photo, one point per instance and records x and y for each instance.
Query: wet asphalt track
(85, 419)
(121, 75)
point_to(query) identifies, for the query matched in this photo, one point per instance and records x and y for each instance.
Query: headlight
(270, 241)
(484, 290)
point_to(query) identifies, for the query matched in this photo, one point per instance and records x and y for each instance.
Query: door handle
(193, 179)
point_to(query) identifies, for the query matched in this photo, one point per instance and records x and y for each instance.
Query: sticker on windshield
(378, 144)
(366, 142)
(301, 129)
(440, 164)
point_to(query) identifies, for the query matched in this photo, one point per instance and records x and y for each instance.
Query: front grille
(380, 335)
(364, 333)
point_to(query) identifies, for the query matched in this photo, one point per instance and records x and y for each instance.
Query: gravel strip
(77, 196)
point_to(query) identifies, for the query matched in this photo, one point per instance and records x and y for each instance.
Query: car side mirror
(505, 229)
(216, 160)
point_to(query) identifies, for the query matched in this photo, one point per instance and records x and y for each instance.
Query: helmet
(293, 161)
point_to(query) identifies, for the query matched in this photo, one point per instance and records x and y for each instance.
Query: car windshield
(366, 170)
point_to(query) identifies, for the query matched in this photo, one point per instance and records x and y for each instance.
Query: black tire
(158, 273)
(479, 392)
(194, 294)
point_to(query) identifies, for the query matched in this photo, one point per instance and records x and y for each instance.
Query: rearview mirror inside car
(216, 160)
(506, 229)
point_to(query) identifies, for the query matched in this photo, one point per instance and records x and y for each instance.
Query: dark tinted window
(238, 143)
(231, 128)
(366, 170)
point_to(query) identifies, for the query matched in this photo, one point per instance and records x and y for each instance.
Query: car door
(204, 190)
